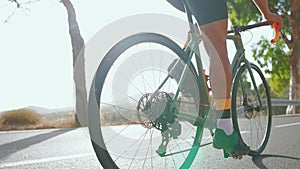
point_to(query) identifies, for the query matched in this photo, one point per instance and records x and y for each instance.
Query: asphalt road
(71, 148)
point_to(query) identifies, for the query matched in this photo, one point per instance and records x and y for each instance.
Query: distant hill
(43, 111)
(51, 114)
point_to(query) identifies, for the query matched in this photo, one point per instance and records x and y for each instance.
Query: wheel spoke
(246, 101)
(131, 123)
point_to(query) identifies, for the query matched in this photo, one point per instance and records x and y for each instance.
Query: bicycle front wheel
(251, 108)
(142, 107)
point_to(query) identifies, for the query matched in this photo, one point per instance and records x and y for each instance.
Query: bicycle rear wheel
(251, 108)
(139, 116)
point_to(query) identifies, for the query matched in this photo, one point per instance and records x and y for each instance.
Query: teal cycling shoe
(231, 144)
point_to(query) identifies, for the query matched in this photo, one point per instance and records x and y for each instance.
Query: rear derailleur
(158, 111)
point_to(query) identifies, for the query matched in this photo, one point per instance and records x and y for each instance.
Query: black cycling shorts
(205, 11)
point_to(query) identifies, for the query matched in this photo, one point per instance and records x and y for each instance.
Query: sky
(36, 53)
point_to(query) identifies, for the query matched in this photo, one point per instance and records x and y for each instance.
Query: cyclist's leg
(214, 36)
(220, 74)
(212, 18)
(220, 70)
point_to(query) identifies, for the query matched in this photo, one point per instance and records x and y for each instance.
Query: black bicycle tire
(104, 67)
(238, 76)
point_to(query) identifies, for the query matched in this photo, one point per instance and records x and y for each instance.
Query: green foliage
(242, 12)
(276, 61)
(278, 85)
(273, 58)
(279, 110)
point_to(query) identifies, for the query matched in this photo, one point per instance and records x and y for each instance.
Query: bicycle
(139, 119)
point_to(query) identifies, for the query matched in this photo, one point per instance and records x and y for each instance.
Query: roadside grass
(26, 119)
(67, 121)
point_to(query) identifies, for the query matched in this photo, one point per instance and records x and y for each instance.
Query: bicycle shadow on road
(258, 160)
(15, 146)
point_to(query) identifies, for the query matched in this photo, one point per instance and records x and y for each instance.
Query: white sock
(226, 125)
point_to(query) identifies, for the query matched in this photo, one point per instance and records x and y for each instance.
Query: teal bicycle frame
(192, 50)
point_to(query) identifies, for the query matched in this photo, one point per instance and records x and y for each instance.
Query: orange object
(277, 32)
(223, 104)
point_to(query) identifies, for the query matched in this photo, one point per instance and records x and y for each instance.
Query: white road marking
(58, 158)
(287, 125)
(278, 126)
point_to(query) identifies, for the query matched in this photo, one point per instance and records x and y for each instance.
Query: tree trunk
(295, 78)
(78, 65)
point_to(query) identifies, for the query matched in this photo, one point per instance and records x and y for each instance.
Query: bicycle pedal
(233, 155)
(236, 156)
